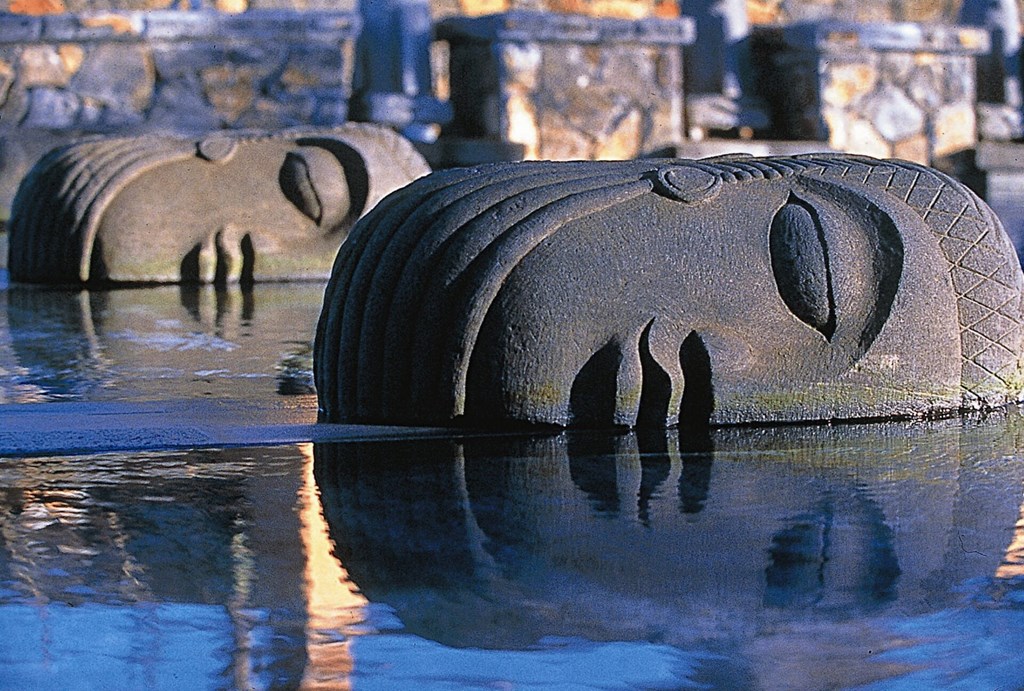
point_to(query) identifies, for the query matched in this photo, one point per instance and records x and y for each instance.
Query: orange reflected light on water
(333, 602)
(1013, 560)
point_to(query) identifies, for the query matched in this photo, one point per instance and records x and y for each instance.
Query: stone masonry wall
(900, 90)
(568, 87)
(42, 7)
(779, 11)
(177, 71)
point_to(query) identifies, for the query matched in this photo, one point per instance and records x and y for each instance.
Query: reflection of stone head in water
(230, 207)
(638, 293)
(563, 533)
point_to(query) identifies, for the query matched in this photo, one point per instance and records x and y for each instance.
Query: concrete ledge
(900, 36)
(168, 25)
(754, 147)
(1000, 156)
(40, 429)
(569, 28)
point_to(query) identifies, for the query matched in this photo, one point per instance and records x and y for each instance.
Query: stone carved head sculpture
(233, 206)
(650, 293)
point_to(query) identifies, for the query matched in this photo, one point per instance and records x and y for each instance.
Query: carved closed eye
(800, 263)
(314, 181)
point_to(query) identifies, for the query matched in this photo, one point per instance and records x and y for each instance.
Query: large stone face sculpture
(229, 207)
(650, 293)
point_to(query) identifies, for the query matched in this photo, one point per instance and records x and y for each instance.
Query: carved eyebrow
(800, 265)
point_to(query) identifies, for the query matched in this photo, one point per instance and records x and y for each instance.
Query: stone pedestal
(567, 86)
(1002, 168)
(175, 71)
(887, 90)
(999, 96)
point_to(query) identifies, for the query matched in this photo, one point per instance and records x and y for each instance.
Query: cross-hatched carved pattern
(983, 267)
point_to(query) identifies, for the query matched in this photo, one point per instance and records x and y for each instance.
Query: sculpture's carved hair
(60, 204)
(413, 283)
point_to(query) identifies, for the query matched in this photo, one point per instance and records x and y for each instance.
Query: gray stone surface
(248, 69)
(999, 69)
(518, 26)
(17, 156)
(568, 87)
(16, 27)
(229, 207)
(1000, 122)
(886, 36)
(886, 90)
(728, 290)
(718, 71)
(1001, 165)
(48, 107)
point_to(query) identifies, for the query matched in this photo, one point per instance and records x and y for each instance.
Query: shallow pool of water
(888, 556)
(156, 343)
(882, 556)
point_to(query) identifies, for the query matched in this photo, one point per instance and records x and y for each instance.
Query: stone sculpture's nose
(224, 256)
(661, 377)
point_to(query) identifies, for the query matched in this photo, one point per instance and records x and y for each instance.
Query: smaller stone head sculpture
(230, 207)
(730, 290)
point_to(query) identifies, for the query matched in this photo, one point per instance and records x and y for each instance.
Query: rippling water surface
(155, 343)
(884, 556)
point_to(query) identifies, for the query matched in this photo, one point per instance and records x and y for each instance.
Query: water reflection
(204, 569)
(786, 558)
(150, 343)
(707, 546)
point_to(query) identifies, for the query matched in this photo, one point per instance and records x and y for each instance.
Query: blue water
(158, 343)
(786, 558)
(882, 556)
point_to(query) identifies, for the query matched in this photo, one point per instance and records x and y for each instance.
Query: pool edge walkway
(39, 429)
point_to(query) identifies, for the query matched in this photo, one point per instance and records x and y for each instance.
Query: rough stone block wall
(568, 87)
(176, 71)
(899, 90)
(780, 11)
(622, 9)
(42, 7)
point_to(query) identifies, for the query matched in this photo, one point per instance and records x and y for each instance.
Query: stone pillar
(1001, 165)
(393, 75)
(887, 90)
(998, 71)
(568, 86)
(718, 71)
